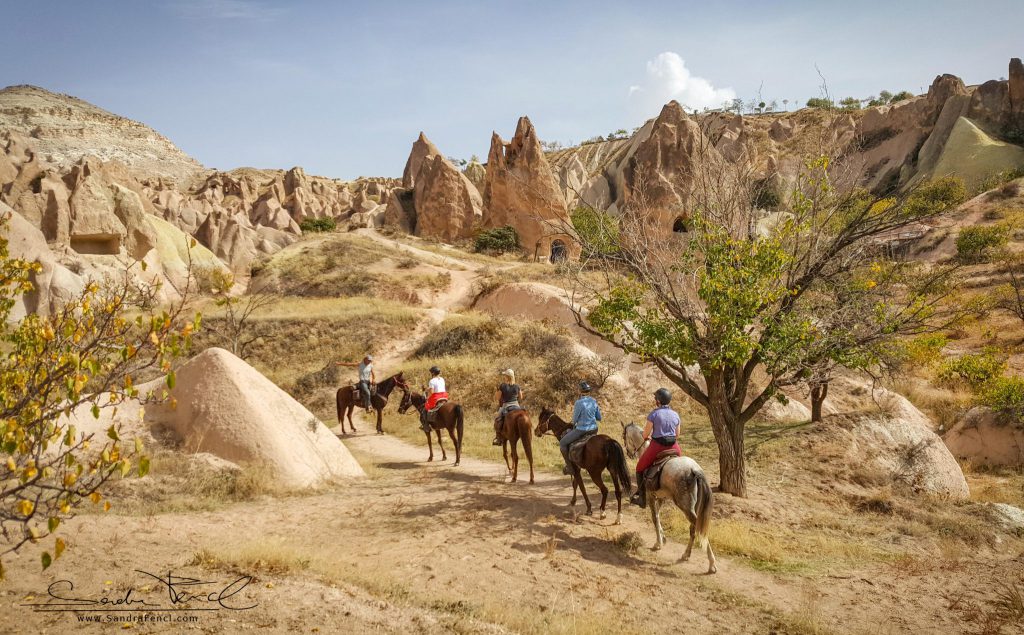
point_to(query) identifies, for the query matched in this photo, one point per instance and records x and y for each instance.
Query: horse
(516, 427)
(600, 453)
(347, 397)
(448, 416)
(682, 482)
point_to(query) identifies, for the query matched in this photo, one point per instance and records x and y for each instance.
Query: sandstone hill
(973, 132)
(100, 190)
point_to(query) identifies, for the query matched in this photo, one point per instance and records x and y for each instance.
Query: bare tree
(234, 326)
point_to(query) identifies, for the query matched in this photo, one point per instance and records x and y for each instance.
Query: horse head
(405, 403)
(632, 439)
(543, 421)
(400, 382)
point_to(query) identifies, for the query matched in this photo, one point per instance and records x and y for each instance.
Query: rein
(547, 424)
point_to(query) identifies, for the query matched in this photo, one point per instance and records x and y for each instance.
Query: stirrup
(567, 470)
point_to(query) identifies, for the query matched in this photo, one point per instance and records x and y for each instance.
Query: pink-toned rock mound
(227, 408)
(984, 439)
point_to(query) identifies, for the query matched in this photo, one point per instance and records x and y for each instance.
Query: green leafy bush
(977, 369)
(498, 240)
(598, 230)
(901, 96)
(820, 102)
(924, 350)
(317, 225)
(981, 243)
(1006, 395)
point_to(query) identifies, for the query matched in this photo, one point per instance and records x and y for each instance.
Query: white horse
(684, 483)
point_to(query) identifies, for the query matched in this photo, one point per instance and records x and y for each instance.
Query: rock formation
(520, 190)
(447, 205)
(985, 438)
(422, 149)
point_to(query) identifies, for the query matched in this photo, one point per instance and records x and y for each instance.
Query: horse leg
(515, 459)
(528, 448)
(711, 557)
(348, 415)
(380, 411)
(451, 434)
(656, 519)
(572, 503)
(444, 455)
(618, 496)
(692, 517)
(504, 451)
(583, 490)
(596, 477)
(430, 444)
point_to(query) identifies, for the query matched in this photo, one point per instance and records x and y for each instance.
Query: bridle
(546, 422)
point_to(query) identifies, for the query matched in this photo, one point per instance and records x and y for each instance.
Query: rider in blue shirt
(585, 415)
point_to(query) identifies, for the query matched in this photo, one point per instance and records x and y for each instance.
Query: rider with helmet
(436, 390)
(585, 415)
(366, 377)
(662, 429)
(509, 393)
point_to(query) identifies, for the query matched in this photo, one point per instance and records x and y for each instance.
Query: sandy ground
(426, 547)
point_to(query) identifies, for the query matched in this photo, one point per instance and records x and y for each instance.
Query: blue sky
(343, 88)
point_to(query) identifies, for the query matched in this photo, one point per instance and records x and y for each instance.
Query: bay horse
(682, 482)
(516, 427)
(600, 453)
(449, 416)
(348, 396)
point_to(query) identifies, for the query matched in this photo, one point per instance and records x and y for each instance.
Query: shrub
(317, 225)
(981, 243)
(765, 196)
(850, 103)
(598, 230)
(977, 369)
(924, 350)
(498, 241)
(901, 96)
(1006, 395)
(820, 102)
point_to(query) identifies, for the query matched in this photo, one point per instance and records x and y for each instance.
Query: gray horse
(683, 482)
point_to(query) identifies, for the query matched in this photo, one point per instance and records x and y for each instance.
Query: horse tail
(617, 463)
(337, 400)
(459, 423)
(703, 506)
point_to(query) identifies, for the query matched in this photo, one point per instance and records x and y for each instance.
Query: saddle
(652, 475)
(432, 413)
(576, 449)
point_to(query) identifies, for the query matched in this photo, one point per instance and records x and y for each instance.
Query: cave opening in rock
(97, 244)
(680, 226)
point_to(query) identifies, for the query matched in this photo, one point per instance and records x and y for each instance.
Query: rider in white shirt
(436, 390)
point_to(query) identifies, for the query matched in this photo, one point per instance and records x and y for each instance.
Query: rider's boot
(567, 470)
(423, 423)
(639, 498)
(497, 426)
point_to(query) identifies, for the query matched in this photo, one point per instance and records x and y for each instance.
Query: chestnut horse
(516, 427)
(348, 397)
(600, 453)
(448, 416)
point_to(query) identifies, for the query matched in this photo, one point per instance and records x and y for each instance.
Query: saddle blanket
(652, 475)
(576, 449)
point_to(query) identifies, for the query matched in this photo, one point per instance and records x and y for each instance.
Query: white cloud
(667, 78)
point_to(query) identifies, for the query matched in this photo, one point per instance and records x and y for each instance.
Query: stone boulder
(225, 407)
(447, 205)
(882, 433)
(984, 438)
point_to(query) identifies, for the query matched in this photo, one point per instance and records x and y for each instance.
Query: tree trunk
(728, 429)
(819, 391)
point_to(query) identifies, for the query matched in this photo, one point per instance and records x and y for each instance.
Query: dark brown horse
(517, 426)
(449, 416)
(600, 453)
(348, 396)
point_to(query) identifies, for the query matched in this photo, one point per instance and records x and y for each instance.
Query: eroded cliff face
(98, 190)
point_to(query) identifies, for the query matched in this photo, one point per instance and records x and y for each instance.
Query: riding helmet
(434, 370)
(584, 387)
(663, 396)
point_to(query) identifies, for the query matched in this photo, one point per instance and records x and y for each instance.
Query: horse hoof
(712, 570)
(590, 512)
(603, 515)
(656, 547)
(618, 519)
(456, 464)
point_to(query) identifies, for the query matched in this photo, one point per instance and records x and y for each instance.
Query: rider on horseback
(661, 429)
(366, 377)
(436, 391)
(509, 394)
(585, 415)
